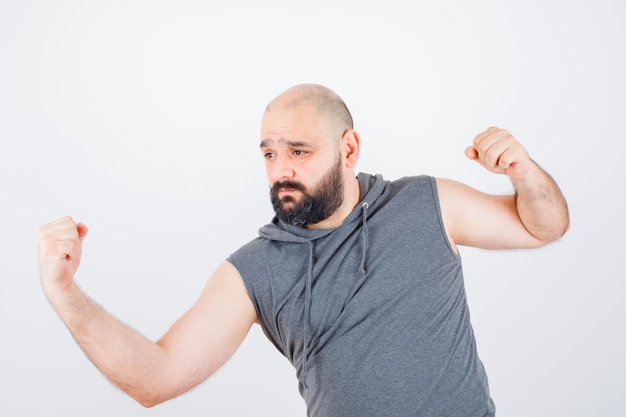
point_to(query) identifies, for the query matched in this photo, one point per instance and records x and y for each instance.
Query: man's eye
(298, 152)
(268, 155)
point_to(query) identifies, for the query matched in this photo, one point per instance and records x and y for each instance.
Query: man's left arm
(535, 215)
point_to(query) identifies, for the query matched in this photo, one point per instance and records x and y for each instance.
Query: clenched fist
(498, 151)
(60, 247)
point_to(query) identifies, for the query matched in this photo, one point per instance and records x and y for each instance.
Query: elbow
(562, 229)
(147, 397)
(562, 224)
(565, 229)
(149, 401)
(148, 404)
(552, 234)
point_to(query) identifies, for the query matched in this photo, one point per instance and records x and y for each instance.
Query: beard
(313, 207)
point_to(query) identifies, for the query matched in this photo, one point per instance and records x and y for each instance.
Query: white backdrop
(140, 119)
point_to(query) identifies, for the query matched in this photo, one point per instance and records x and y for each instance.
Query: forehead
(302, 123)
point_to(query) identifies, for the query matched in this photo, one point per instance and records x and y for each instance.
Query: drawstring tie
(307, 314)
(307, 296)
(364, 206)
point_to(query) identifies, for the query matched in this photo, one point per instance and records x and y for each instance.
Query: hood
(371, 187)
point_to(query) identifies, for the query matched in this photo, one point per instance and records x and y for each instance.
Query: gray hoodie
(373, 313)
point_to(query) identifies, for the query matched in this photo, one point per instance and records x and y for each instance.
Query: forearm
(540, 205)
(198, 344)
(129, 360)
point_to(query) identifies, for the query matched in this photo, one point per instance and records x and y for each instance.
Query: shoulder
(417, 185)
(419, 189)
(252, 248)
(415, 180)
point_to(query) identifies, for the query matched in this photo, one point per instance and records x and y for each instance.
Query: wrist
(63, 297)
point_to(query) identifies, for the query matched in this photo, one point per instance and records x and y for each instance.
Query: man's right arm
(198, 344)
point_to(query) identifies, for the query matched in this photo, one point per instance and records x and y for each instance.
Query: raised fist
(60, 247)
(498, 151)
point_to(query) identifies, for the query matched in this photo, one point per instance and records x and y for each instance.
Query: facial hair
(313, 207)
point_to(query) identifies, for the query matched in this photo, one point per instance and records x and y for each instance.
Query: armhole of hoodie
(444, 235)
(249, 288)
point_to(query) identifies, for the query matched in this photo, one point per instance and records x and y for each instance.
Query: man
(357, 280)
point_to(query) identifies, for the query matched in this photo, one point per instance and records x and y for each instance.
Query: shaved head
(323, 99)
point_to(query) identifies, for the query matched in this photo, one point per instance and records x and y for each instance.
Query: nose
(280, 169)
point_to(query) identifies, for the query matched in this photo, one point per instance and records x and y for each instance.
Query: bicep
(210, 332)
(473, 218)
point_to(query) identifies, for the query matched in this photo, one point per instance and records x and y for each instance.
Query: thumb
(471, 152)
(82, 231)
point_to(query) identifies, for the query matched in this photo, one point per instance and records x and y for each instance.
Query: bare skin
(534, 216)
(298, 143)
(198, 344)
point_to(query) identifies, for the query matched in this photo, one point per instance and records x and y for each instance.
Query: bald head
(322, 99)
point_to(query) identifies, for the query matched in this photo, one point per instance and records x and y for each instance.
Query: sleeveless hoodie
(372, 314)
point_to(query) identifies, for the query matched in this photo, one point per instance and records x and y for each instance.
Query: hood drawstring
(307, 313)
(364, 206)
(371, 188)
(307, 296)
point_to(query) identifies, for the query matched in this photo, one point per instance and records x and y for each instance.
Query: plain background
(141, 118)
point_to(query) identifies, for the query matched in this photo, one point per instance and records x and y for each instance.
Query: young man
(357, 280)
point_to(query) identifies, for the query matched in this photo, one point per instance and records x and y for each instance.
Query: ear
(351, 147)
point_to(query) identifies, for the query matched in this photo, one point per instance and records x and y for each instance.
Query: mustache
(292, 185)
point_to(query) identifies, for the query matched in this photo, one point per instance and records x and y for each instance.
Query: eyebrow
(289, 143)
